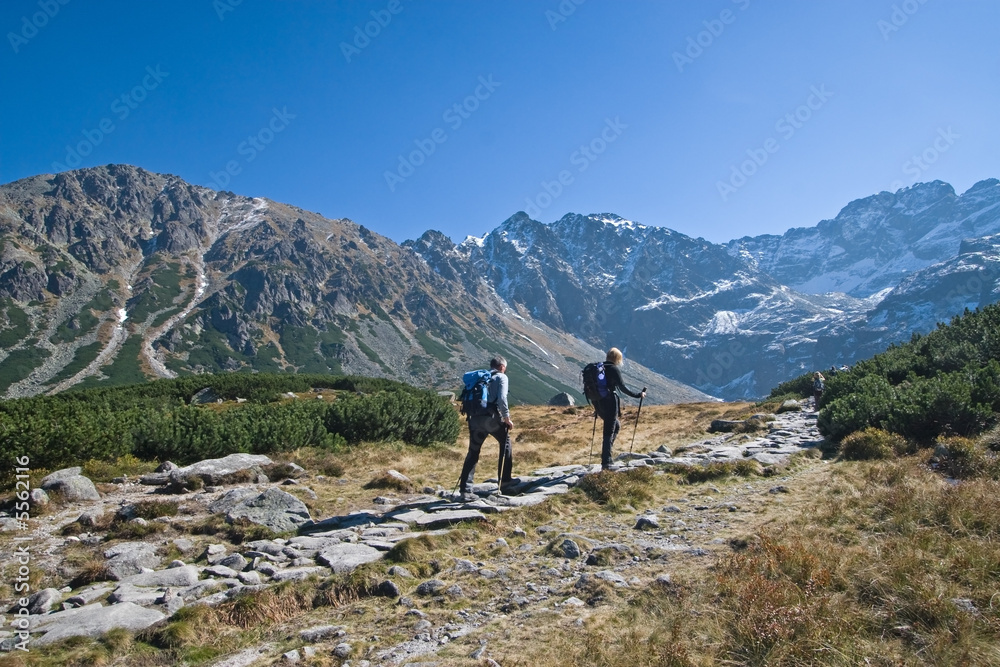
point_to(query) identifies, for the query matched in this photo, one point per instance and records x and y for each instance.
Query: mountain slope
(115, 272)
(734, 320)
(873, 243)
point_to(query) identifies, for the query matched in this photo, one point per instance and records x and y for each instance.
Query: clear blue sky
(868, 85)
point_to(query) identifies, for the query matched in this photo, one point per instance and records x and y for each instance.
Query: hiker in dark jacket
(819, 385)
(609, 407)
(494, 421)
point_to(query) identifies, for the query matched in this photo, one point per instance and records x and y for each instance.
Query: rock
(399, 571)
(449, 517)
(342, 650)
(184, 545)
(612, 577)
(143, 596)
(299, 573)
(431, 587)
(562, 399)
(231, 499)
(250, 578)
(86, 596)
(570, 549)
(573, 602)
(398, 476)
(232, 469)
(41, 601)
(790, 405)
(321, 632)
(91, 517)
(38, 498)
(291, 657)
(221, 571)
(186, 575)
(275, 509)
(647, 522)
(387, 589)
(71, 485)
(93, 621)
(235, 561)
(345, 557)
(129, 558)
(59, 475)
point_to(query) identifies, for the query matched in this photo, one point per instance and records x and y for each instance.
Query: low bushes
(155, 421)
(944, 383)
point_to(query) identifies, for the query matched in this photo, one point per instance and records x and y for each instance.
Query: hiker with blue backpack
(601, 382)
(484, 402)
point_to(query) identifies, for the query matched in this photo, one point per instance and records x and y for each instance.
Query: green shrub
(944, 383)
(871, 444)
(968, 459)
(798, 388)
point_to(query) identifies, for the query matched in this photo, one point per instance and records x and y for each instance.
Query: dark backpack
(474, 393)
(595, 384)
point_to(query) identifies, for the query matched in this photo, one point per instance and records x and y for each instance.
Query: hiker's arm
(620, 383)
(502, 407)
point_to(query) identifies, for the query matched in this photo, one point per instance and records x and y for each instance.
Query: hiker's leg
(476, 437)
(609, 432)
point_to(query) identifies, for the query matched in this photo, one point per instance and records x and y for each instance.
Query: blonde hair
(614, 356)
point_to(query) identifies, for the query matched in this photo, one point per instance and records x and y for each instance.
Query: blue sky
(716, 118)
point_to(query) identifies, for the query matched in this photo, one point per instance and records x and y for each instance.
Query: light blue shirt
(497, 393)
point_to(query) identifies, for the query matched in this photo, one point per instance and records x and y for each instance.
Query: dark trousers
(607, 409)
(479, 428)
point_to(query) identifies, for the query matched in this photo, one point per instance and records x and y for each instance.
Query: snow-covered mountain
(874, 243)
(736, 319)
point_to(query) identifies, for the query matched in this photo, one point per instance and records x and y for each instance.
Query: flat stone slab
(449, 517)
(526, 500)
(93, 621)
(346, 557)
(300, 573)
(219, 471)
(175, 576)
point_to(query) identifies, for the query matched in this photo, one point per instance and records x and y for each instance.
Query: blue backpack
(474, 393)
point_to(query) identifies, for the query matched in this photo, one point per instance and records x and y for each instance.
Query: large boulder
(274, 509)
(92, 621)
(71, 485)
(232, 469)
(130, 558)
(345, 557)
(563, 399)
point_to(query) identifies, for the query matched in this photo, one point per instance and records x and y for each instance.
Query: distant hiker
(609, 407)
(493, 419)
(818, 387)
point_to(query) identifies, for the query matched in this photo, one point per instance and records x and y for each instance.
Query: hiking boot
(508, 485)
(467, 497)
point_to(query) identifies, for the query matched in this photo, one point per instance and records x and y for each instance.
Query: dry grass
(864, 563)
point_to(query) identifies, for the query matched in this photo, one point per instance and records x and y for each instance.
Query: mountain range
(114, 274)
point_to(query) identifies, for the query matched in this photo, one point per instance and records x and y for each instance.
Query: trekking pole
(636, 420)
(590, 461)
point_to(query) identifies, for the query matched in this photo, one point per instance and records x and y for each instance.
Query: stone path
(613, 549)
